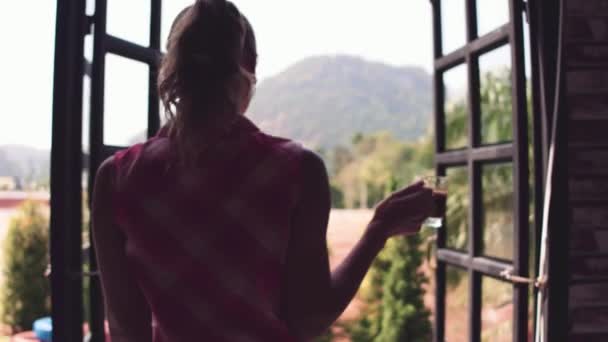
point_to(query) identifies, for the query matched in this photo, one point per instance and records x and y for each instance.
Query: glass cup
(439, 185)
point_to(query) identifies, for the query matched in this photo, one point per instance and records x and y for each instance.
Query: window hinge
(539, 282)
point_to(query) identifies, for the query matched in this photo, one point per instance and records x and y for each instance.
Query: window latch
(539, 282)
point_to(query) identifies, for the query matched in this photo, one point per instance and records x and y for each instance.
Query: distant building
(10, 183)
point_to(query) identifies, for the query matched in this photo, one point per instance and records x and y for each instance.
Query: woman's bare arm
(126, 308)
(314, 296)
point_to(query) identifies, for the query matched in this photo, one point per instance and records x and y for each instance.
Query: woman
(213, 230)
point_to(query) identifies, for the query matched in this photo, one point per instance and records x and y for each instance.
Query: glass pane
(88, 48)
(491, 14)
(496, 310)
(495, 96)
(527, 50)
(125, 101)
(497, 211)
(455, 107)
(457, 216)
(130, 20)
(453, 25)
(170, 10)
(90, 7)
(456, 304)
(86, 105)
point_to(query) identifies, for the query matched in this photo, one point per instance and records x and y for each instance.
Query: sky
(396, 32)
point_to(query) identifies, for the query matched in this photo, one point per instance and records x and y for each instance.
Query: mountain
(27, 163)
(324, 101)
(320, 101)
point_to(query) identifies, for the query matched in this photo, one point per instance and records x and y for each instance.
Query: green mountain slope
(325, 101)
(320, 101)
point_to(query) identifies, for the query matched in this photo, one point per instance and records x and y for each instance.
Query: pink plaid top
(208, 245)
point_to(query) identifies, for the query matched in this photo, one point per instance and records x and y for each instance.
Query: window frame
(473, 156)
(104, 44)
(476, 154)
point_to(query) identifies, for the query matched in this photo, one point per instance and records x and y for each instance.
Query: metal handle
(538, 282)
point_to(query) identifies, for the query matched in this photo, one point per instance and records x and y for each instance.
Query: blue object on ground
(43, 328)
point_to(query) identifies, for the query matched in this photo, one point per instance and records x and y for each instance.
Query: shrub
(337, 197)
(404, 316)
(394, 292)
(26, 293)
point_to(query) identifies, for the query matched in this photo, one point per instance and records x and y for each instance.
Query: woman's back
(207, 243)
(214, 231)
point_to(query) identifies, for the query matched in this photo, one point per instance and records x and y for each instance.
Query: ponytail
(211, 57)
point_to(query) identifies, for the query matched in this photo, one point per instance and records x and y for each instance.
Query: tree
(456, 125)
(404, 316)
(337, 196)
(340, 157)
(496, 106)
(394, 292)
(372, 161)
(26, 292)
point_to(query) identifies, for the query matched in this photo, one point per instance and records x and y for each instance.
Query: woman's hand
(403, 212)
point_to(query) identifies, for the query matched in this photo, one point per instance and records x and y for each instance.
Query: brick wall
(586, 61)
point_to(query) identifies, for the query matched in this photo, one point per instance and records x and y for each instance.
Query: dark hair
(211, 56)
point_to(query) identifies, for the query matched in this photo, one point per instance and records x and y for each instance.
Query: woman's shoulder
(308, 161)
(280, 144)
(152, 148)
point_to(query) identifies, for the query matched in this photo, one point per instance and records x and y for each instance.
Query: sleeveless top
(207, 244)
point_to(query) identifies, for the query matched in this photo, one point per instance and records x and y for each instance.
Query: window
(482, 147)
(121, 113)
(455, 107)
(457, 218)
(454, 35)
(495, 97)
(125, 101)
(491, 14)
